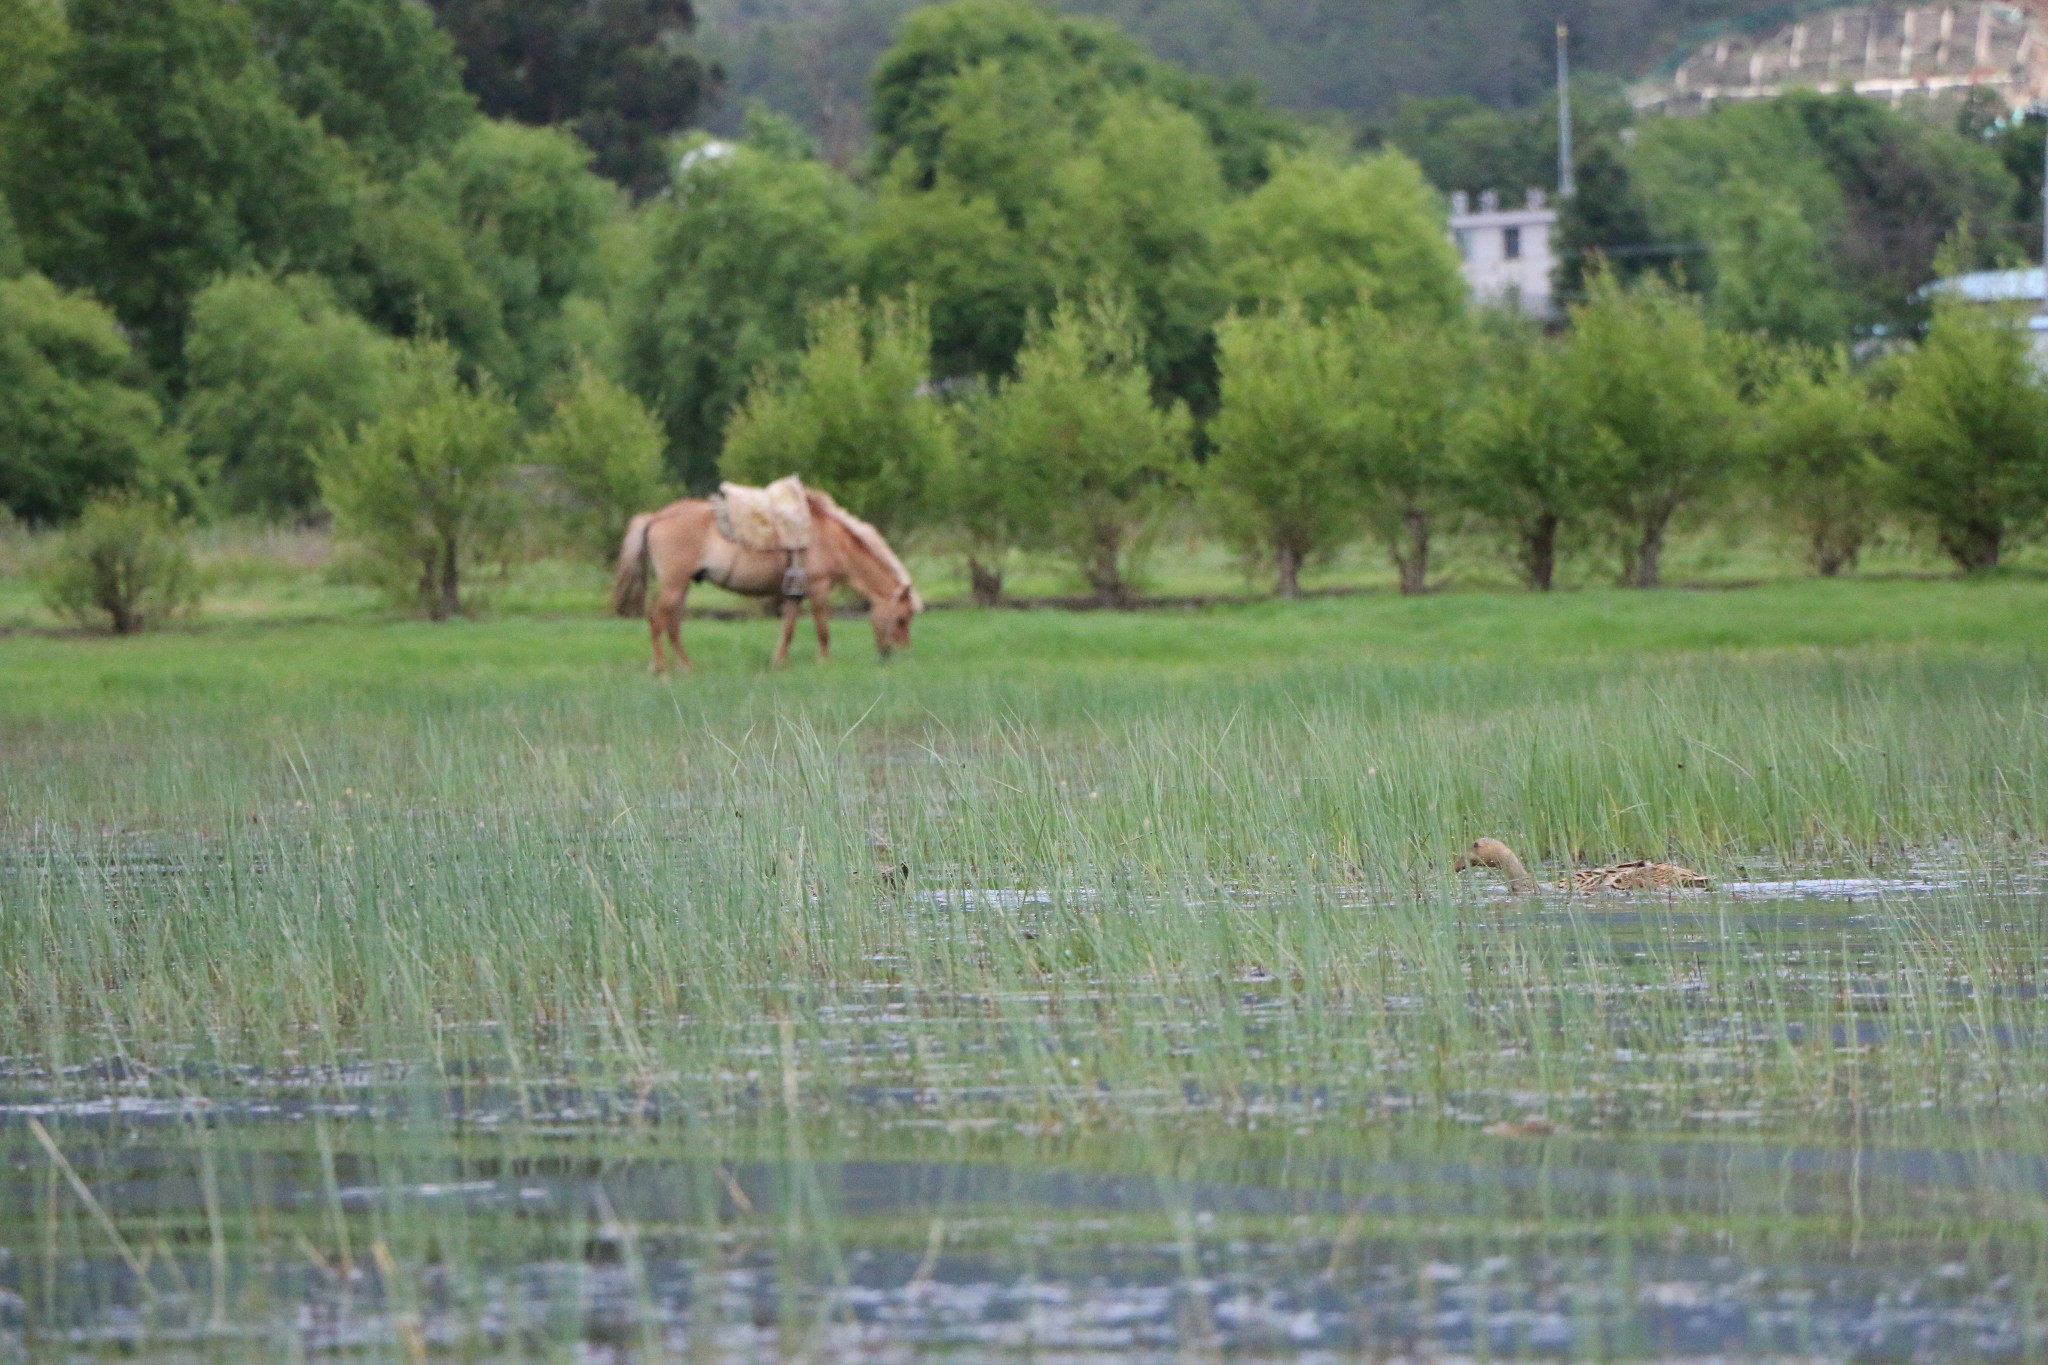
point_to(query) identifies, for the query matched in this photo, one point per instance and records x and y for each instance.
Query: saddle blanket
(776, 518)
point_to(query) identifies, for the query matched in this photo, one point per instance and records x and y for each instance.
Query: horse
(682, 544)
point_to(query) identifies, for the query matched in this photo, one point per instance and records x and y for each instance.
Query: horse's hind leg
(790, 607)
(821, 612)
(667, 619)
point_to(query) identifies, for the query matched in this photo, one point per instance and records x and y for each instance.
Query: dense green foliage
(75, 416)
(156, 151)
(270, 197)
(750, 241)
(615, 72)
(378, 74)
(275, 368)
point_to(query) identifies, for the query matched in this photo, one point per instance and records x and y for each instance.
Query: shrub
(124, 559)
(1815, 455)
(1970, 436)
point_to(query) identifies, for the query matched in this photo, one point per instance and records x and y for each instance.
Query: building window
(1511, 243)
(1464, 241)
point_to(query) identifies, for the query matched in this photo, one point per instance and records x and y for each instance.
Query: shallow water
(414, 1207)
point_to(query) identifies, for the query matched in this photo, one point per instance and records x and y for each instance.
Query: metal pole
(1567, 185)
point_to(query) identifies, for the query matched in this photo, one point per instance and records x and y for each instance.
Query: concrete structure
(1506, 254)
(1890, 52)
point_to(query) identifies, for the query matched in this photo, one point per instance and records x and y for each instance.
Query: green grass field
(409, 991)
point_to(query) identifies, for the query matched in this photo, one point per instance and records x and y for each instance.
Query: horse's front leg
(790, 607)
(821, 612)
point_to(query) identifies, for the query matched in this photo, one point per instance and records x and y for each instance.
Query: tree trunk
(1290, 570)
(1650, 554)
(447, 599)
(1973, 545)
(987, 583)
(1539, 551)
(1105, 575)
(1411, 553)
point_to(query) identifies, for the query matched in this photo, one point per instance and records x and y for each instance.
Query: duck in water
(1636, 876)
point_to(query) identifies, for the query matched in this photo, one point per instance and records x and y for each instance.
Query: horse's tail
(629, 589)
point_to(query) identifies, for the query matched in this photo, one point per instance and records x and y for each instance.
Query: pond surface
(414, 1208)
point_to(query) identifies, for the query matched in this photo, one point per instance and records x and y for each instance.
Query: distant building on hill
(1896, 53)
(1506, 254)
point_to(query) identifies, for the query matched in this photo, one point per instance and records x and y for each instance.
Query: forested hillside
(811, 58)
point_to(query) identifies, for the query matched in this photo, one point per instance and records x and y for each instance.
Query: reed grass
(1177, 910)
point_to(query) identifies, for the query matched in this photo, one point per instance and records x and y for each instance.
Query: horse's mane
(870, 540)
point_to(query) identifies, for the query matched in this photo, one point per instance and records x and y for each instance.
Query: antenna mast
(1566, 184)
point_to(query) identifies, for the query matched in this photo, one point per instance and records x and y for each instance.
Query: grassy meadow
(1080, 986)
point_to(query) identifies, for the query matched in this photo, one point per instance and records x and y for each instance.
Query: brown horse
(683, 544)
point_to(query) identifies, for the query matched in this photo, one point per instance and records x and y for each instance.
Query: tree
(747, 245)
(159, 154)
(857, 417)
(423, 489)
(1082, 63)
(1285, 480)
(530, 213)
(989, 515)
(1079, 445)
(1033, 174)
(1605, 226)
(1135, 210)
(1773, 273)
(619, 73)
(378, 74)
(1970, 435)
(275, 368)
(605, 452)
(1524, 456)
(1415, 379)
(1334, 236)
(126, 559)
(1642, 371)
(76, 419)
(1815, 450)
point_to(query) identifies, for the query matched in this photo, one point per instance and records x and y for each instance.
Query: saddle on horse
(774, 520)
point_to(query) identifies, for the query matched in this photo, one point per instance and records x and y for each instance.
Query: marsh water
(508, 1203)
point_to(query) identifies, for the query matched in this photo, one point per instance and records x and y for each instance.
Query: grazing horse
(683, 545)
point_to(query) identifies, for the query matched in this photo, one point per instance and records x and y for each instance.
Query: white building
(1506, 254)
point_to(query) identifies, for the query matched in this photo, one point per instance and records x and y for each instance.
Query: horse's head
(891, 613)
